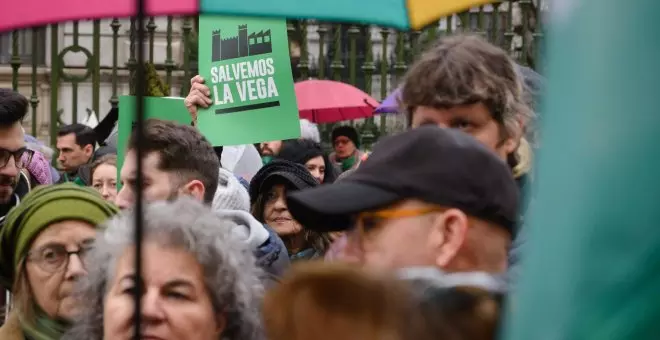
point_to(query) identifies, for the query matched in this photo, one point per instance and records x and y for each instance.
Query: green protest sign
(245, 63)
(165, 108)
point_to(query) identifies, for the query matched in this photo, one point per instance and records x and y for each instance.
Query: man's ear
(88, 150)
(195, 188)
(448, 234)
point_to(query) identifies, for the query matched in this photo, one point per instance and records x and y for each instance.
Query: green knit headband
(39, 209)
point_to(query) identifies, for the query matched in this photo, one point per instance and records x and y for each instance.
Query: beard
(7, 187)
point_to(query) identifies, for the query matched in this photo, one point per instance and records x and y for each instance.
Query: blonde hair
(335, 301)
(22, 300)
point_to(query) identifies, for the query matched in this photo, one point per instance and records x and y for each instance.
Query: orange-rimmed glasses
(367, 221)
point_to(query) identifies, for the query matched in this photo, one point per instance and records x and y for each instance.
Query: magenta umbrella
(327, 101)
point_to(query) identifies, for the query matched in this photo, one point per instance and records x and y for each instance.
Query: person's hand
(199, 95)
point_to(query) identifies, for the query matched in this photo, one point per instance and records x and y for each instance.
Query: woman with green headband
(42, 254)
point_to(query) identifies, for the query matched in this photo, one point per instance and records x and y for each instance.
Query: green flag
(592, 260)
(246, 64)
(165, 108)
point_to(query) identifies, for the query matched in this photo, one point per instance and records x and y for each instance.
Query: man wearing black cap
(455, 208)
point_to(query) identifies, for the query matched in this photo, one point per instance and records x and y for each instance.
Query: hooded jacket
(233, 202)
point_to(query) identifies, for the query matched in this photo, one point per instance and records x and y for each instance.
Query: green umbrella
(591, 266)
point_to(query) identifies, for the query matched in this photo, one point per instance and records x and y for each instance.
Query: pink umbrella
(327, 101)
(39, 12)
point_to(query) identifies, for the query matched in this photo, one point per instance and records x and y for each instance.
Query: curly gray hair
(231, 275)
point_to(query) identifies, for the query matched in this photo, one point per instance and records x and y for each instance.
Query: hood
(231, 194)
(269, 250)
(246, 228)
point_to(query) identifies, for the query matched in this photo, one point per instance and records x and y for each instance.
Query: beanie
(40, 208)
(348, 132)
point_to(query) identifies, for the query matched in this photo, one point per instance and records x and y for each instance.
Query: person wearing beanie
(310, 155)
(346, 145)
(268, 190)
(42, 255)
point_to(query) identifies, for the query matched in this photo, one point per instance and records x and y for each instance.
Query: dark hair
(302, 150)
(183, 150)
(461, 313)
(109, 159)
(294, 177)
(299, 150)
(85, 135)
(13, 107)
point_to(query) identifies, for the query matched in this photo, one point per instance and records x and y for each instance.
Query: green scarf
(266, 159)
(349, 162)
(44, 328)
(76, 180)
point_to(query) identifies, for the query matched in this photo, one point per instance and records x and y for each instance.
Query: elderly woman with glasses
(197, 281)
(43, 247)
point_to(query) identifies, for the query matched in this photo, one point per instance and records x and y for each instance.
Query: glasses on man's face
(22, 157)
(54, 257)
(366, 222)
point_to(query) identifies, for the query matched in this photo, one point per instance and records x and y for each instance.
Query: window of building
(25, 38)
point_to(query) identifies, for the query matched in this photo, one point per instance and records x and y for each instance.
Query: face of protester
(71, 155)
(474, 119)
(158, 184)
(11, 141)
(271, 148)
(276, 212)
(176, 304)
(316, 167)
(105, 181)
(55, 262)
(419, 236)
(344, 147)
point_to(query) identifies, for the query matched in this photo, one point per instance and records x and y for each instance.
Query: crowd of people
(417, 239)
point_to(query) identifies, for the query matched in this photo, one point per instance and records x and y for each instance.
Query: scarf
(44, 328)
(76, 180)
(349, 162)
(266, 159)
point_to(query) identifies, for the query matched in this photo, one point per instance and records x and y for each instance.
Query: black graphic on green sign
(241, 45)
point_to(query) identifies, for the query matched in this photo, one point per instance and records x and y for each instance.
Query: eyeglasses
(54, 257)
(22, 157)
(368, 221)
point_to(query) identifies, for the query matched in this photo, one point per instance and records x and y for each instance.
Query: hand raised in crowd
(199, 95)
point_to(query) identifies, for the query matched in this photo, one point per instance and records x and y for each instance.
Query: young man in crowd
(14, 155)
(178, 160)
(76, 144)
(15, 181)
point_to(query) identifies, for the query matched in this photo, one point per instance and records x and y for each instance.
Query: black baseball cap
(436, 165)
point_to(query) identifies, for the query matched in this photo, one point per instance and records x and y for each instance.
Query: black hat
(348, 132)
(435, 165)
(293, 175)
